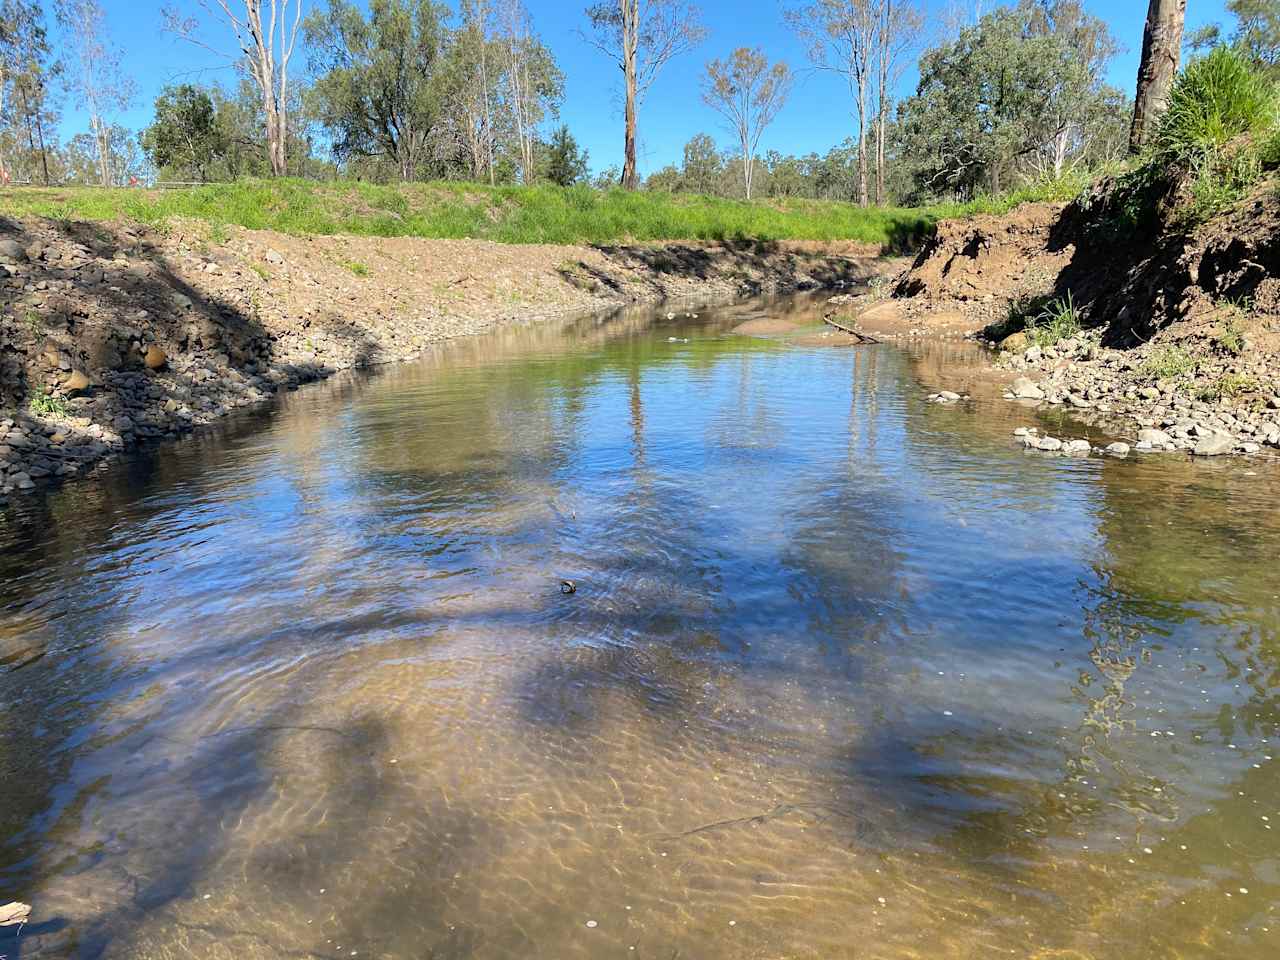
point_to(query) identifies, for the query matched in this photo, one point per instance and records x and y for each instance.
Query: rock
(1118, 449)
(1250, 447)
(1155, 438)
(1077, 447)
(15, 913)
(946, 396)
(1033, 355)
(122, 424)
(11, 251)
(21, 480)
(1214, 445)
(272, 256)
(1049, 443)
(1015, 342)
(76, 382)
(1024, 388)
(155, 358)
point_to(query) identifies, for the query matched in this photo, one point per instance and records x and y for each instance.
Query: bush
(1169, 363)
(1059, 320)
(1217, 99)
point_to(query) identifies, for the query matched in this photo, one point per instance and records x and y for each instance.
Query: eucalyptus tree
(1022, 84)
(265, 33)
(641, 37)
(96, 76)
(184, 139)
(534, 85)
(1161, 52)
(842, 36)
(379, 85)
(27, 110)
(749, 93)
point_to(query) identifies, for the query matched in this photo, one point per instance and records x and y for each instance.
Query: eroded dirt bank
(112, 335)
(1167, 335)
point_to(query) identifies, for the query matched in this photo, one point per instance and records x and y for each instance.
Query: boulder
(11, 251)
(1077, 447)
(1015, 342)
(1024, 388)
(1118, 449)
(1214, 445)
(155, 358)
(77, 381)
(1155, 438)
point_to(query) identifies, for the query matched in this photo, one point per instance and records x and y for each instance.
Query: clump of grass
(46, 405)
(1169, 364)
(1215, 100)
(260, 270)
(358, 268)
(1228, 387)
(1219, 128)
(34, 323)
(1058, 320)
(1230, 336)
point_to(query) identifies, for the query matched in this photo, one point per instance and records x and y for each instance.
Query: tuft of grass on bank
(507, 214)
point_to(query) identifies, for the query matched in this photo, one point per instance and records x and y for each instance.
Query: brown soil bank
(1179, 321)
(115, 334)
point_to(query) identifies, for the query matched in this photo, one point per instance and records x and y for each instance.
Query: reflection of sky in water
(830, 645)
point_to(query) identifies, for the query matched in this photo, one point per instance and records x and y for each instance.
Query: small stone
(1118, 449)
(1077, 447)
(272, 256)
(155, 357)
(1015, 342)
(1049, 443)
(947, 396)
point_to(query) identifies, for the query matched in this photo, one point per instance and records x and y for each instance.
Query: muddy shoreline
(116, 335)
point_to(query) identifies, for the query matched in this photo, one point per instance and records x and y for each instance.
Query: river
(844, 673)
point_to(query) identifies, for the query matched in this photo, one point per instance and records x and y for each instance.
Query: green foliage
(1230, 336)
(1017, 94)
(1215, 100)
(184, 140)
(380, 87)
(46, 405)
(1227, 387)
(510, 214)
(566, 162)
(358, 268)
(1058, 320)
(1169, 363)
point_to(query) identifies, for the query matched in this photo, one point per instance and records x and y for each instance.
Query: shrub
(1229, 386)
(1215, 100)
(1169, 363)
(358, 268)
(1058, 320)
(44, 405)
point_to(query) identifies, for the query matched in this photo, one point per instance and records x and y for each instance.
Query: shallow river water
(846, 674)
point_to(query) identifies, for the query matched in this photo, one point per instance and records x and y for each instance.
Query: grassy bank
(508, 214)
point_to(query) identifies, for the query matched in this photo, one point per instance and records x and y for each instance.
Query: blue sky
(817, 116)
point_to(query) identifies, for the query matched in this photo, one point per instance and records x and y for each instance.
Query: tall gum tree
(748, 93)
(96, 76)
(641, 36)
(1161, 50)
(265, 32)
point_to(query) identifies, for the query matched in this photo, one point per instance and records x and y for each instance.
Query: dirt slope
(114, 334)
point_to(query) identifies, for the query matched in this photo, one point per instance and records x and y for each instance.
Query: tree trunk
(1161, 48)
(886, 48)
(862, 141)
(630, 43)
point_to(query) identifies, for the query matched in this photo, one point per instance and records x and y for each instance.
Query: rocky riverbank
(1170, 342)
(112, 335)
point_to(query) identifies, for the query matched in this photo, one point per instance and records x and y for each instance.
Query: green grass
(358, 268)
(1230, 337)
(1229, 386)
(1058, 320)
(1215, 100)
(508, 214)
(44, 405)
(1169, 364)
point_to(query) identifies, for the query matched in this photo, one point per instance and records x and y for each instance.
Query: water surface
(846, 674)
